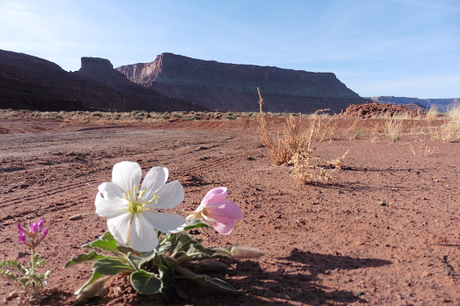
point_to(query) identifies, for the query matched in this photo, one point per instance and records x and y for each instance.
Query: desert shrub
(96, 114)
(393, 130)
(229, 116)
(447, 132)
(217, 115)
(454, 113)
(354, 128)
(307, 171)
(432, 113)
(191, 117)
(296, 148)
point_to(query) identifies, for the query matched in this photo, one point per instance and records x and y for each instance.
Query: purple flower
(32, 237)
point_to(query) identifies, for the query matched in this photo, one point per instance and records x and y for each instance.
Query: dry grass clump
(450, 130)
(354, 128)
(432, 114)
(424, 150)
(307, 171)
(393, 130)
(296, 148)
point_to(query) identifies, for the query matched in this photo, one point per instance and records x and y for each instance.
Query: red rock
(233, 87)
(28, 82)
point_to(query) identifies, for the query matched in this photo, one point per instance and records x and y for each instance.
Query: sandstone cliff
(28, 82)
(234, 87)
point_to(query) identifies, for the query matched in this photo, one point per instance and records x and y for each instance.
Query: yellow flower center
(136, 205)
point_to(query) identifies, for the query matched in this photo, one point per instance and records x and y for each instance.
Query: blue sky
(405, 48)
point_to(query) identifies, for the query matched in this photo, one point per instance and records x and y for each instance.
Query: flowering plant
(28, 280)
(152, 246)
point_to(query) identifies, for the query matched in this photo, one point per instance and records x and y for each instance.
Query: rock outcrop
(440, 104)
(28, 82)
(234, 87)
(373, 110)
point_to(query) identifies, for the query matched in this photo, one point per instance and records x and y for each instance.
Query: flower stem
(32, 271)
(36, 287)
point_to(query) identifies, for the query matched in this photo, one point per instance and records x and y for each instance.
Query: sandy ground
(383, 231)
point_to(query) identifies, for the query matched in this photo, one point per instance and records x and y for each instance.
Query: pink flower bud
(45, 232)
(21, 237)
(33, 227)
(220, 212)
(21, 229)
(40, 224)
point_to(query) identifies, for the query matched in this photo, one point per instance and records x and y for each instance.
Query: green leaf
(195, 223)
(146, 257)
(167, 278)
(205, 280)
(14, 265)
(91, 288)
(111, 266)
(212, 283)
(145, 282)
(93, 255)
(181, 293)
(93, 278)
(106, 245)
(107, 236)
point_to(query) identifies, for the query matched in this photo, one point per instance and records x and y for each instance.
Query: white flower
(130, 207)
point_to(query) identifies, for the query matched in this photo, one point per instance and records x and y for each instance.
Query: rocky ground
(383, 231)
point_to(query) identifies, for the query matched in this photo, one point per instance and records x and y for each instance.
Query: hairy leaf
(93, 255)
(111, 266)
(145, 282)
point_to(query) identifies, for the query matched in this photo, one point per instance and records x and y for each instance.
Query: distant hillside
(28, 82)
(440, 104)
(233, 87)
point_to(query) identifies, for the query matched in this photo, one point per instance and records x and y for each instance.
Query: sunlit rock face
(233, 87)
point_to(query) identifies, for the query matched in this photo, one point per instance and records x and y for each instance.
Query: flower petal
(153, 181)
(127, 174)
(168, 223)
(224, 228)
(119, 227)
(110, 208)
(111, 191)
(169, 196)
(226, 209)
(214, 196)
(143, 236)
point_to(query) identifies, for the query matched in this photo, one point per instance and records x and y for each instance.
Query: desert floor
(383, 231)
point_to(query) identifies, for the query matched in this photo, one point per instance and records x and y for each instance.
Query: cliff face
(234, 87)
(28, 82)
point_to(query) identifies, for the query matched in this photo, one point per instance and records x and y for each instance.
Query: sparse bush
(307, 172)
(229, 116)
(191, 117)
(432, 113)
(393, 130)
(296, 148)
(448, 132)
